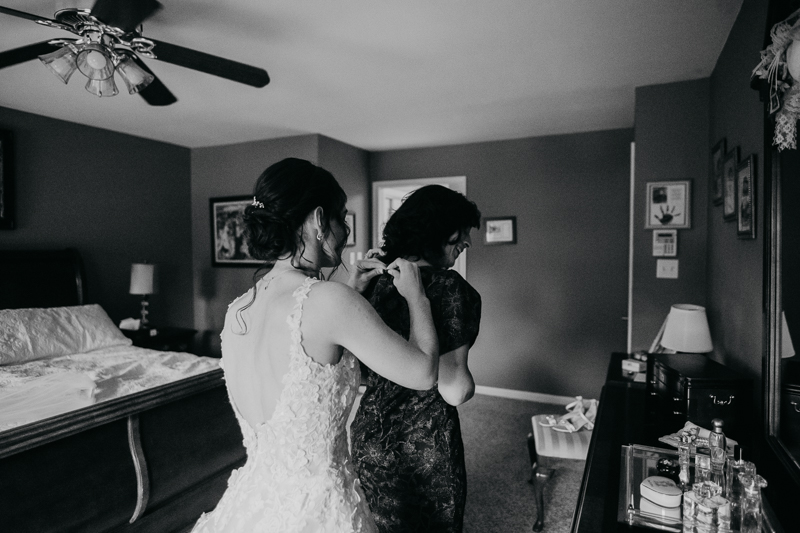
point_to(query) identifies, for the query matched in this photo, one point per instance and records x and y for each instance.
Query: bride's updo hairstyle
(425, 221)
(284, 195)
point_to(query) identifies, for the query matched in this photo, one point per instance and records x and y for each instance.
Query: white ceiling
(387, 74)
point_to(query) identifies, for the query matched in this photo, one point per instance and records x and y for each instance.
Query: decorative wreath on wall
(780, 66)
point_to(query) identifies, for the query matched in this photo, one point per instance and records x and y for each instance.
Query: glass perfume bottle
(734, 489)
(717, 447)
(685, 451)
(751, 504)
(702, 468)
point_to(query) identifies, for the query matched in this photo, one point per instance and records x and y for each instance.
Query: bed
(142, 441)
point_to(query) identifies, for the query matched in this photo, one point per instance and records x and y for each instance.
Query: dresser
(622, 418)
(692, 387)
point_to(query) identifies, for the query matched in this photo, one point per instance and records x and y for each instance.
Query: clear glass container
(638, 463)
(685, 452)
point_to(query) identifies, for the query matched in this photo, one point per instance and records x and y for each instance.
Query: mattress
(39, 389)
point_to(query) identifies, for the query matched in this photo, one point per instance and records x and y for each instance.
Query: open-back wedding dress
(298, 476)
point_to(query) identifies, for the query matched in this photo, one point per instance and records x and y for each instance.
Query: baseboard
(524, 395)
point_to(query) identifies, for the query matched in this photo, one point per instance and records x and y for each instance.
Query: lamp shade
(686, 329)
(94, 62)
(133, 75)
(62, 62)
(787, 347)
(142, 275)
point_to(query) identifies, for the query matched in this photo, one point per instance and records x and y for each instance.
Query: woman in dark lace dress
(406, 444)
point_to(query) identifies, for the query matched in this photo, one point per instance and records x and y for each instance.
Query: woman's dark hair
(425, 221)
(288, 191)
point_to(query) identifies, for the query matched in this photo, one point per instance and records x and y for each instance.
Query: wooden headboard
(41, 278)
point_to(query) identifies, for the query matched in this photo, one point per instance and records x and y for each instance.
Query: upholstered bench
(545, 443)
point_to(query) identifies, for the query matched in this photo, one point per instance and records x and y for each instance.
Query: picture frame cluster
(733, 186)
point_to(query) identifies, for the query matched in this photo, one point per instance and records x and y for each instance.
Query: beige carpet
(499, 498)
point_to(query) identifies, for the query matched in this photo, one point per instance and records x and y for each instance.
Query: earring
(319, 236)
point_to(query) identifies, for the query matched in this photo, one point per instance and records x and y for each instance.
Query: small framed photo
(7, 214)
(228, 243)
(668, 205)
(350, 220)
(717, 158)
(729, 167)
(746, 196)
(500, 230)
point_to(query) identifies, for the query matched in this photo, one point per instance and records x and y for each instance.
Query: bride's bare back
(334, 316)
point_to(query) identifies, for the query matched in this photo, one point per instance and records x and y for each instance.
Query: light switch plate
(667, 268)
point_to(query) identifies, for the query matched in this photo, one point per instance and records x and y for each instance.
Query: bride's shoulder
(335, 295)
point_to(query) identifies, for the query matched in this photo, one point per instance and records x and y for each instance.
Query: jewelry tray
(637, 463)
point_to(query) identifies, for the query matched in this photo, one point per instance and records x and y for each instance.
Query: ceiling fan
(110, 41)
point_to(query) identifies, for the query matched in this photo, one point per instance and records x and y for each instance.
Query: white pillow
(29, 334)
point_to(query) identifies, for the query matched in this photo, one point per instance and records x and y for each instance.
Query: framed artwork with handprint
(746, 195)
(717, 158)
(668, 205)
(729, 167)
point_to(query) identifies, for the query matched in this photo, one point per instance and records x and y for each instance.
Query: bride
(289, 349)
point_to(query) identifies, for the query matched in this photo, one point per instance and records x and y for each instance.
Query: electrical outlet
(667, 268)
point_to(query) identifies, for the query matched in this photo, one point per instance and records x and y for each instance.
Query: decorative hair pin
(257, 203)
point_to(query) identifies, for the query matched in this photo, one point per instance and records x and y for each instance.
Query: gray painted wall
(735, 266)
(553, 303)
(671, 144)
(117, 198)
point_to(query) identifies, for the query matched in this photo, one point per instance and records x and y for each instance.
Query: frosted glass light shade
(95, 63)
(686, 329)
(142, 275)
(62, 62)
(102, 87)
(133, 75)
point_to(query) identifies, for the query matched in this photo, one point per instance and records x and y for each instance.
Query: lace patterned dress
(406, 443)
(298, 477)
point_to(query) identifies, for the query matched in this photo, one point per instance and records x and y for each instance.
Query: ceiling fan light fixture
(134, 76)
(62, 62)
(94, 61)
(105, 87)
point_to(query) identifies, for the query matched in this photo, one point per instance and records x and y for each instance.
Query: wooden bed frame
(152, 461)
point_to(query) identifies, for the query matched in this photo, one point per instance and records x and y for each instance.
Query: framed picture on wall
(668, 205)
(228, 243)
(350, 220)
(717, 158)
(729, 166)
(500, 230)
(7, 214)
(746, 196)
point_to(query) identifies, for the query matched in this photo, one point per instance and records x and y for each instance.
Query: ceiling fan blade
(218, 66)
(124, 14)
(25, 53)
(156, 93)
(22, 14)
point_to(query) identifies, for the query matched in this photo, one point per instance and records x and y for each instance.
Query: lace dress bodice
(298, 475)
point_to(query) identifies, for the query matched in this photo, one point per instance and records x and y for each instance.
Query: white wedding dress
(298, 477)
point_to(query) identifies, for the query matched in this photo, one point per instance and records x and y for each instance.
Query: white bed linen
(116, 371)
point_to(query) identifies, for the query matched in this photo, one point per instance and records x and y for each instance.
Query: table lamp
(142, 275)
(685, 330)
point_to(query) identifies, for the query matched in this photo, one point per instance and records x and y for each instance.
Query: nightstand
(166, 339)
